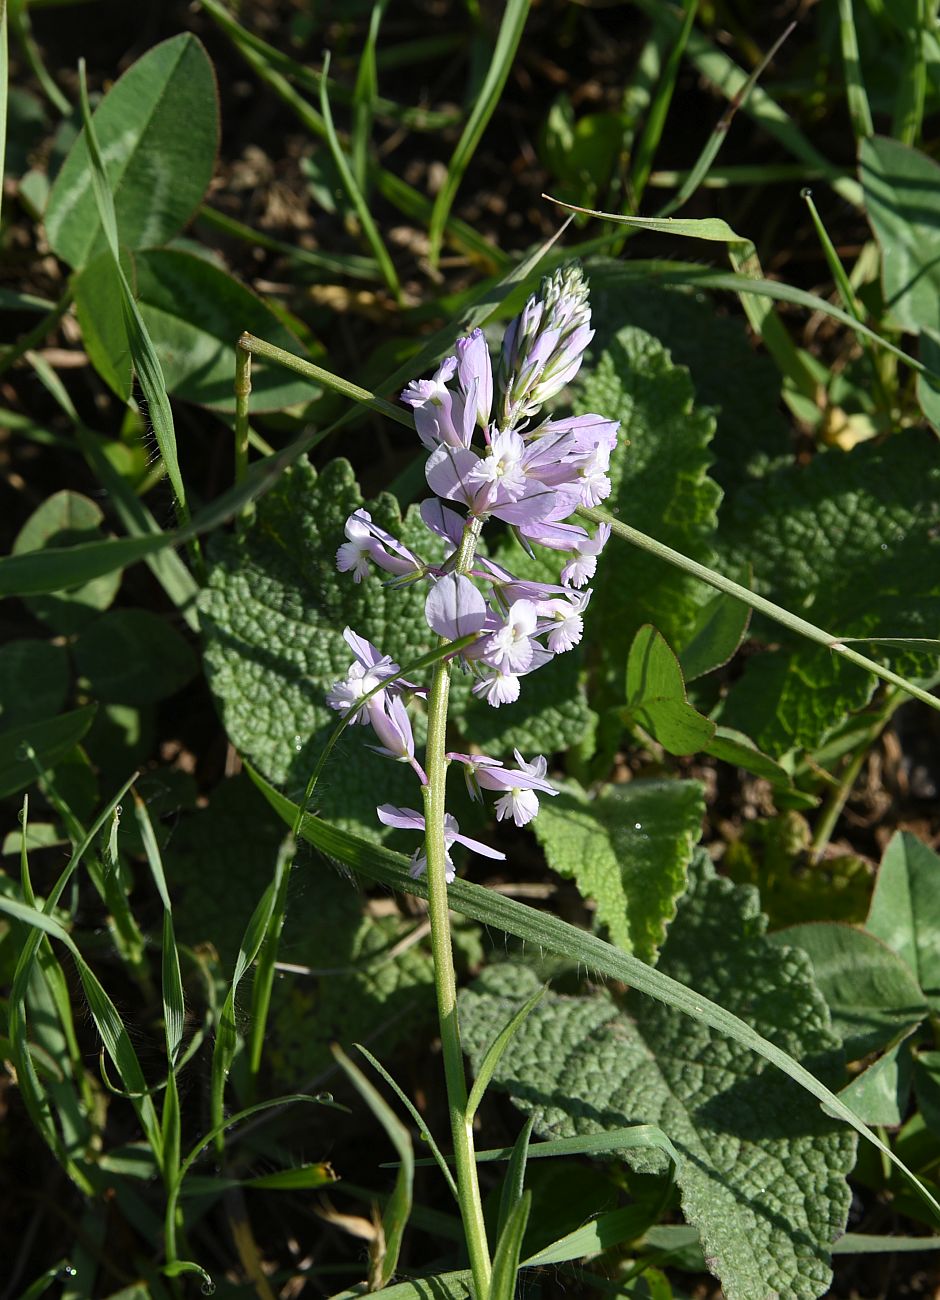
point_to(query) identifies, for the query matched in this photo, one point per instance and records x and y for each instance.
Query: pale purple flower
(410, 820)
(454, 608)
(392, 725)
(369, 669)
(518, 785)
(367, 541)
(581, 568)
(511, 648)
(499, 686)
(475, 372)
(498, 476)
(441, 415)
(563, 620)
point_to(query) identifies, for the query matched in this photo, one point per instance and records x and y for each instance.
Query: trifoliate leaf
(660, 485)
(850, 541)
(763, 1173)
(628, 849)
(273, 616)
(221, 860)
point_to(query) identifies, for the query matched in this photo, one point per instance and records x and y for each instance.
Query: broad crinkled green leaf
(660, 485)
(158, 131)
(763, 1171)
(849, 541)
(628, 848)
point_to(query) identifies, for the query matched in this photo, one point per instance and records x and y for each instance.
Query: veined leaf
(158, 130)
(587, 1065)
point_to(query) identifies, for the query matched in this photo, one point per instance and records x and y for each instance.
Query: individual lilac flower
(519, 785)
(592, 476)
(475, 373)
(511, 648)
(498, 687)
(499, 475)
(441, 416)
(367, 541)
(581, 568)
(501, 686)
(410, 820)
(368, 671)
(454, 608)
(563, 620)
(544, 346)
(452, 472)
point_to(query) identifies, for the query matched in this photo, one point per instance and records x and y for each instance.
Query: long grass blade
(554, 935)
(398, 1206)
(415, 1115)
(859, 108)
(645, 150)
(513, 21)
(146, 362)
(718, 68)
(365, 94)
(514, 1178)
(495, 1051)
(780, 615)
(354, 191)
(508, 1250)
(226, 1043)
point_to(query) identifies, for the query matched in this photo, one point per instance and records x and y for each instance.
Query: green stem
(242, 393)
(259, 348)
(445, 982)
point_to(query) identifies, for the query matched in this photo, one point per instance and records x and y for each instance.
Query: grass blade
(382, 1266)
(415, 1115)
(859, 109)
(226, 1041)
(356, 197)
(764, 606)
(514, 1178)
(645, 151)
(507, 42)
(554, 935)
(508, 1250)
(146, 362)
(365, 93)
(702, 167)
(716, 66)
(494, 1054)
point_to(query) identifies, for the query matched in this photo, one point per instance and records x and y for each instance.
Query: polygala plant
(492, 455)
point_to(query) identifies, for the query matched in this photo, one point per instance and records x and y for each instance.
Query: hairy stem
(445, 982)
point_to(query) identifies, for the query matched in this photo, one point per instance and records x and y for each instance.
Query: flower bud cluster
(493, 459)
